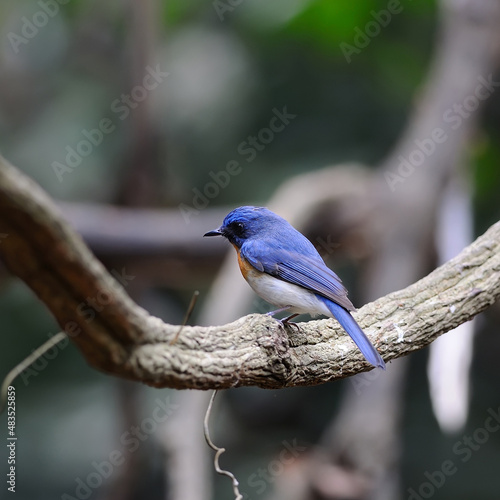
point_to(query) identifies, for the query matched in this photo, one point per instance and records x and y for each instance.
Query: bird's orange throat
(244, 265)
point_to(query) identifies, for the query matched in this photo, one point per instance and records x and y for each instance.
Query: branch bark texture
(123, 339)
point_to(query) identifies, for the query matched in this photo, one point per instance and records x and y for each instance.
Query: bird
(284, 268)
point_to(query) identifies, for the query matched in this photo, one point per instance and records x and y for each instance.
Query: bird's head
(244, 223)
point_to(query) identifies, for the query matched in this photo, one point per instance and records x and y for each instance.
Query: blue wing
(301, 265)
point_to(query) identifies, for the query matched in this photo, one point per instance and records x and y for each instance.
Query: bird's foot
(285, 322)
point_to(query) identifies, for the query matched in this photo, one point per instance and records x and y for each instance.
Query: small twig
(37, 353)
(219, 451)
(189, 311)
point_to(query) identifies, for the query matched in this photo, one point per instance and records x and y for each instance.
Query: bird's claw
(285, 322)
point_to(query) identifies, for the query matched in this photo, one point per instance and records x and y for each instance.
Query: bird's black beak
(215, 232)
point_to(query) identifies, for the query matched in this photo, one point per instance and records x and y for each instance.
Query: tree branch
(120, 338)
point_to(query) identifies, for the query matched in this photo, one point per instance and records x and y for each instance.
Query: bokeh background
(147, 122)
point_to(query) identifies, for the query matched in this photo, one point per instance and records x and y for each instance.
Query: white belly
(282, 294)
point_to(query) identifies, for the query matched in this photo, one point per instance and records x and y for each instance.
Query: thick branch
(126, 341)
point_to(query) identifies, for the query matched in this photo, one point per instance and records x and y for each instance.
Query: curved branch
(117, 336)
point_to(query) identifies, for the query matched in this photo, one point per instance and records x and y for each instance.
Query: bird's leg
(285, 322)
(288, 318)
(281, 309)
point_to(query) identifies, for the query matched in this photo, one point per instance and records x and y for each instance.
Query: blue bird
(283, 267)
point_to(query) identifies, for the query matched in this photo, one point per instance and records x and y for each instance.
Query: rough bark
(124, 340)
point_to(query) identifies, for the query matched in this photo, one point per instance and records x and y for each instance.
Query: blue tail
(354, 330)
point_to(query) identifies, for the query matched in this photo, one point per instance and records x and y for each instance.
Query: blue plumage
(284, 268)
(350, 325)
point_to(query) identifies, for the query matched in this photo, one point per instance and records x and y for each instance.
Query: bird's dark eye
(238, 228)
